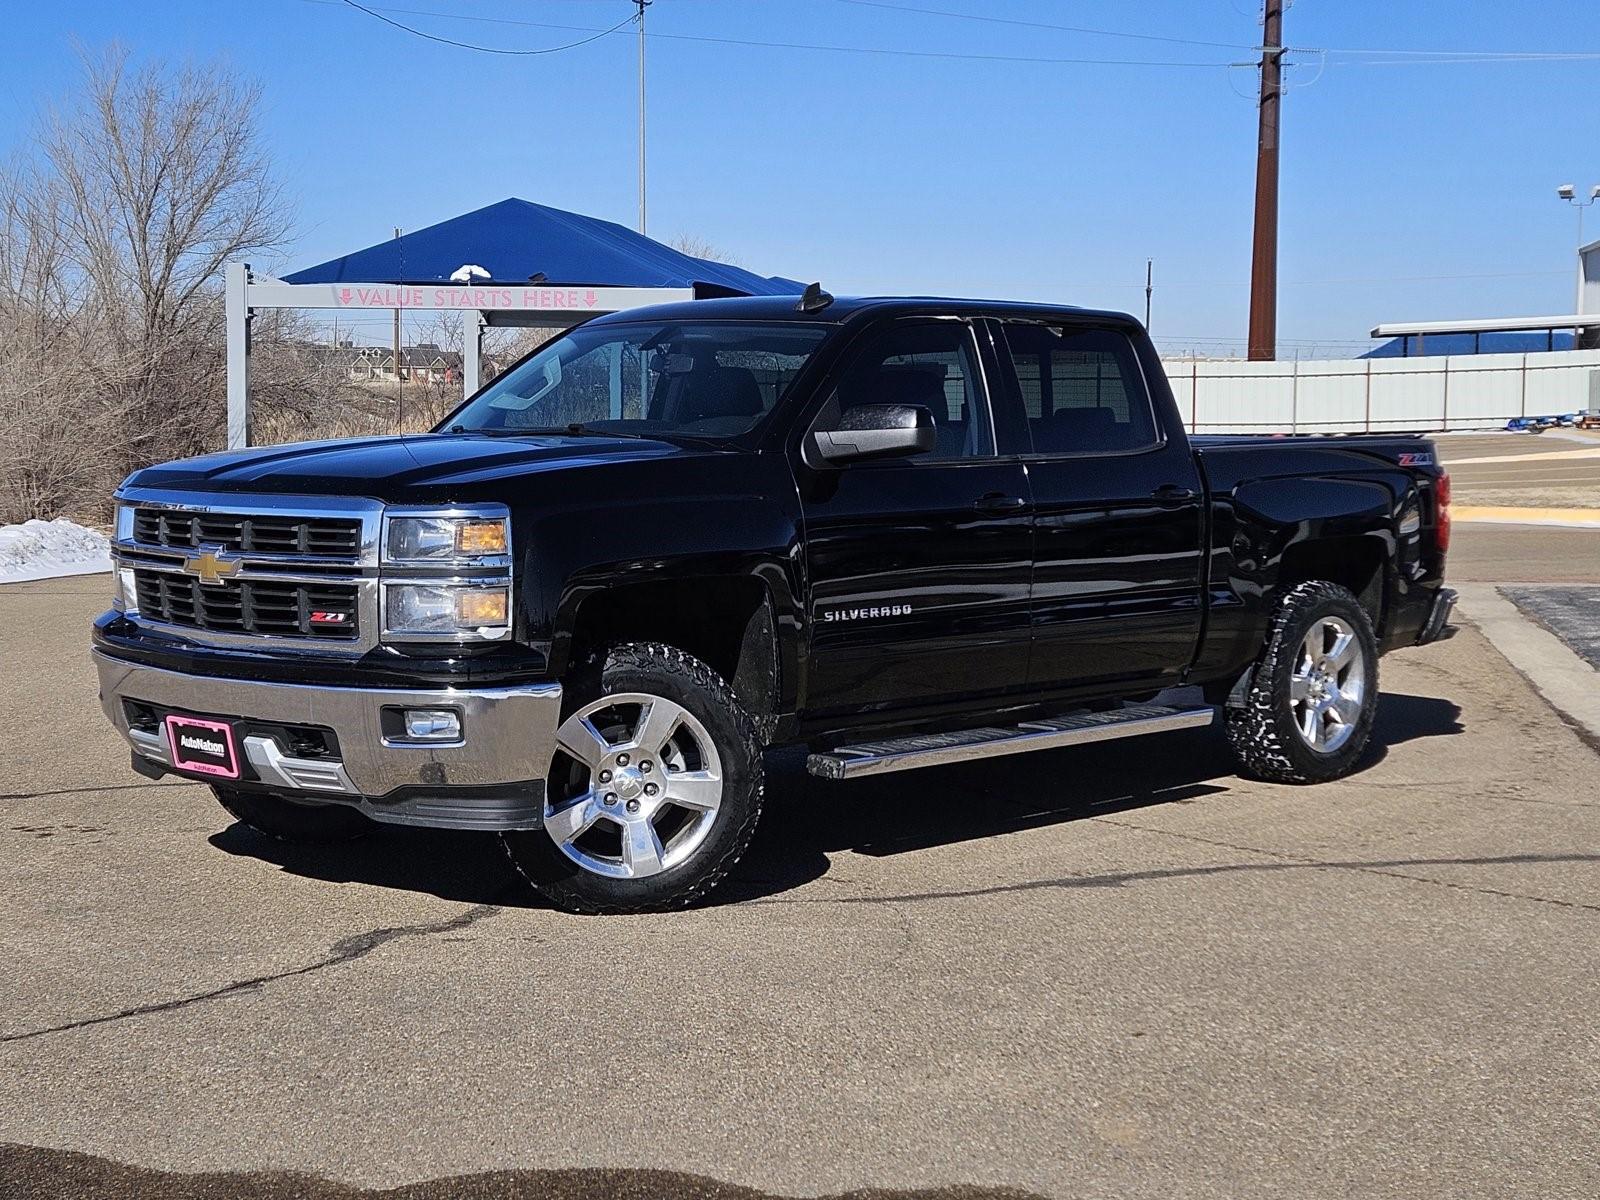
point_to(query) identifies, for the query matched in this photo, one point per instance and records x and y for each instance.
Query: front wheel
(654, 790)
(1308, 711)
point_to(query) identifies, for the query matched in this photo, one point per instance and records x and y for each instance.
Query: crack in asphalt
(345, 950)
(1377, 866)
(1285, 862)
(75, 791)
(48, 1174)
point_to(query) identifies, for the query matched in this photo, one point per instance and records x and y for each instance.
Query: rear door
(918, 567)
(1117, 509)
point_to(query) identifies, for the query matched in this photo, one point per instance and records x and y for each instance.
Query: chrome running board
(936, 749)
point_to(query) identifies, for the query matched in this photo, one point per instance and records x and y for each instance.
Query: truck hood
(423, 467)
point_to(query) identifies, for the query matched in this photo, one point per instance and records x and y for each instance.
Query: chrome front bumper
(491, 779)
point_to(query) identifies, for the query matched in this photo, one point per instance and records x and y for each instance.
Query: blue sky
(888, 173)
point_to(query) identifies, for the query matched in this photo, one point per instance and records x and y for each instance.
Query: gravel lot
(1115, 971)
(1571, 613)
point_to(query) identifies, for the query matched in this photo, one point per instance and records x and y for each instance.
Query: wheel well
(1352, 562)
(726, 623)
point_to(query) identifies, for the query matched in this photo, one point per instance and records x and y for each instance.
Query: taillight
(1441, 511)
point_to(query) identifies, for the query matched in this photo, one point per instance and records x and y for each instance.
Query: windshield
(664, 378)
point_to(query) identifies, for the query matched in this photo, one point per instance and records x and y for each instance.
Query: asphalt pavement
(1559, 468)
(1112, 971)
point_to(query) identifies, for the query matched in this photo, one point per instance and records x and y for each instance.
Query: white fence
(1472, 391)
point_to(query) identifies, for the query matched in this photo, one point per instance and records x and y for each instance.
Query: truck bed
(1231, 458)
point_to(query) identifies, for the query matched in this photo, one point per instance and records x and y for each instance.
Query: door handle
(1172, 493)
(997, 503)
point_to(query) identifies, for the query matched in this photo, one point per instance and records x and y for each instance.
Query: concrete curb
(1570, 685)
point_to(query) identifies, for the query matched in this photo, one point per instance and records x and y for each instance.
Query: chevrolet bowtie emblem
(211, 567)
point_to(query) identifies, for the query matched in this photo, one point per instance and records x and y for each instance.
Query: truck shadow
(807, 819)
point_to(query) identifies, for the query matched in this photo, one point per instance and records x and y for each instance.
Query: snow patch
(46, 549)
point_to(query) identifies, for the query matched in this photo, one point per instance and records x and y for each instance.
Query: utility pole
(643, 4)
(1263, 342)
(399, 384)
(1149, 269)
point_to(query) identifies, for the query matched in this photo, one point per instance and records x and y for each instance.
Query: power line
(1422, 56)
(1351, 56)
(1330, 280)
(1459, 59)
(598, 34)
(1436, 53)
(759, 44)
(961, 16)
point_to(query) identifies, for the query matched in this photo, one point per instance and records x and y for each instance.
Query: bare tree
(165, 181)
(697, 247)
(112, 243)
(53, 439)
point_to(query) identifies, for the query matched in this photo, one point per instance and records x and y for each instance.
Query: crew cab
(900, 532)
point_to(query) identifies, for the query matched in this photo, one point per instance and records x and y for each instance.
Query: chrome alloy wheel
(641, 786)
(1328, 686)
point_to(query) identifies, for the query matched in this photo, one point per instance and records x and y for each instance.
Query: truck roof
(845, 308)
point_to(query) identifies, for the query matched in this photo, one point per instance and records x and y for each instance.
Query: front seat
(922, 384)
(722, 399)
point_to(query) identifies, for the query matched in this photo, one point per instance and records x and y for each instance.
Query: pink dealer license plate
(202, 746)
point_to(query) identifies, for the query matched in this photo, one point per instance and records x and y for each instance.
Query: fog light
(433, 725)
(481, 606)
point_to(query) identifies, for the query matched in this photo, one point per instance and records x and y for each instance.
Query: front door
(918, 567)
(1117, 510)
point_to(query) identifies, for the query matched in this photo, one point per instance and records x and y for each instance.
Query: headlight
(445, 539)
(450, 610)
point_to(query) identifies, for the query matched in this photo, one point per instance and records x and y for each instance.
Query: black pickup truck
(901, 532)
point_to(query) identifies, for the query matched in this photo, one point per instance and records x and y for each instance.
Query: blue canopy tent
(517, 240)
(512, 263)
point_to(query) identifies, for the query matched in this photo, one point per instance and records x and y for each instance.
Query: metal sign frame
(481, 305)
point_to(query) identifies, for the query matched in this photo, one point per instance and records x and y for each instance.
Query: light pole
(1570, 194)
(643, 4)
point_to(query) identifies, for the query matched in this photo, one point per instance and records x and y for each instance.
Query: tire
(291, 821)
(654, 792)
(1306, 718)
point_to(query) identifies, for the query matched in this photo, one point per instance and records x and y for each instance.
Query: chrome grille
(262, 606)
(249, 534)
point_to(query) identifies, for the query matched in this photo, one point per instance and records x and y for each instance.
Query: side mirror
(876, 431)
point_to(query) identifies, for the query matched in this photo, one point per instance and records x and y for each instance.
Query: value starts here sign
(482, 298)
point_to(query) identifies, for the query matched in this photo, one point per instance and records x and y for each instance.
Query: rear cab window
(1081, 389)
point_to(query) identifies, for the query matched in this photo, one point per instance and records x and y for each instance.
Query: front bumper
(492, 779)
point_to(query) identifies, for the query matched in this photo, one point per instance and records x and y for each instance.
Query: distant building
(1472, 343)
(424, 362)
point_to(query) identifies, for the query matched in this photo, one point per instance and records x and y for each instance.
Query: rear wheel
(292, 821)
(654, 791)
(1313, 693)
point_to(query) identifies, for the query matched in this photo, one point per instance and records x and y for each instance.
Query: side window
(930, 365)
(1081, 388)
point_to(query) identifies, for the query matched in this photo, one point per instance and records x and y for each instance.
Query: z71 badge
(867, 614)
(1418, 459)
